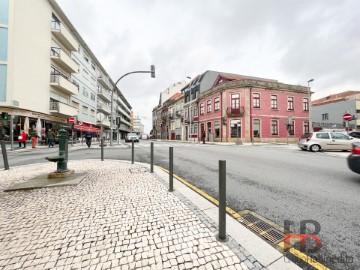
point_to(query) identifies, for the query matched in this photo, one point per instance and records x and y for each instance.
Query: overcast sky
(287, 40)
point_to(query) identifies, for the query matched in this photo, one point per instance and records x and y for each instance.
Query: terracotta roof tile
(334, 98)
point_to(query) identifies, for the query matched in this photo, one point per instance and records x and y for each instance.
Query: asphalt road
(276, 181)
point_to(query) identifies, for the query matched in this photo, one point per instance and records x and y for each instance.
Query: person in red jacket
(22, 138)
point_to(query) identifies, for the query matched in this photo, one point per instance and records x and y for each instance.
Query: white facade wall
(171, 90)
(29, 43)
(30, 40)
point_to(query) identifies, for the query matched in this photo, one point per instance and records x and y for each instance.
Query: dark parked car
(354, 158)
(355, 134)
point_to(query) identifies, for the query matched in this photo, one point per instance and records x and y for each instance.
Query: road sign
(347, 116)
(71, 120)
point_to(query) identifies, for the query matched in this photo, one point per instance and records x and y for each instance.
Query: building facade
(236, 108)
(253, 109)
(48, 73)
(327, 112)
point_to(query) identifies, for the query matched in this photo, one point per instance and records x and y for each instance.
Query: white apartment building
(138, 127)
(48, 72)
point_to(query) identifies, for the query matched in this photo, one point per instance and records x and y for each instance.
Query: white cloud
(288, 40)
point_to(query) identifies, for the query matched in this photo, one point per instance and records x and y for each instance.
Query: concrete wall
(29, 54)
(334, 110)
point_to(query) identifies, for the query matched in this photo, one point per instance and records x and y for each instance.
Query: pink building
(246, 109)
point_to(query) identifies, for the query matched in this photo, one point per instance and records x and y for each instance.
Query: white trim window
(274, 127)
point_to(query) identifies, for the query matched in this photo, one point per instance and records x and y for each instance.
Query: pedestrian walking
(22, 138)
(34, 137)
(203, 136)
(51, 138)
(88, 138)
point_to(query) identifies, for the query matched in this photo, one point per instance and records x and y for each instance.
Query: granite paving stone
(113, 219)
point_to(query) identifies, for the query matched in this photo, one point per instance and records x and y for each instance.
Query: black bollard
(222, 202)
(132, 152)
(102, 148)
(4, 153)
(171, 169)
(152, 157)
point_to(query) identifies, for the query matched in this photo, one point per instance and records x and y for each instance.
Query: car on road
(353, 159)
(131, 137)
(355, 134)
(144, 137)
(319, 141)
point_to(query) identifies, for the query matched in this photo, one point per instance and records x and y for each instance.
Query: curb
(298, 254)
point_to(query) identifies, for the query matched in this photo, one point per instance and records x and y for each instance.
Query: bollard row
(4, 153)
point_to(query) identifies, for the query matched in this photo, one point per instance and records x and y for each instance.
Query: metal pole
(112, 114)
(11, 132)
(3, 150)
(152, 71)
(171, 168)
(222, 202)
(310, 120)
(237, 131)
(72, 137)
(152, 158)
(102, 148)
(287, 134)
(132, 152)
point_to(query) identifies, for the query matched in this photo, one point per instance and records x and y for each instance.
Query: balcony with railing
(124, 128)
(179, 113)
(102, 93)
(58, 108)
(61, 83)
(104, 122)
(61, 58)
(64, 35)
(235, 111)
(104, 81)
(103, 108)
(124, 121)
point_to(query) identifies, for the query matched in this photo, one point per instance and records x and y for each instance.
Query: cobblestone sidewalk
(114, 219)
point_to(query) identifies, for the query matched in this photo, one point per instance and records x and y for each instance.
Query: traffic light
(4, 116)
(152, 71)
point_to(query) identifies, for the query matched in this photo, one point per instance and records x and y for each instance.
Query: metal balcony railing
(54, 106)
(235, 111)
(55, 51)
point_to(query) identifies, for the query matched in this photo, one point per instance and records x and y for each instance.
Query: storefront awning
(86, 128)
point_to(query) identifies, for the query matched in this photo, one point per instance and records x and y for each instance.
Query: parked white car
(131, 137)
(318, 141)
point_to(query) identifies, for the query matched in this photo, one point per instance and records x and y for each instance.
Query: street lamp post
(152, 71)
(310, 121)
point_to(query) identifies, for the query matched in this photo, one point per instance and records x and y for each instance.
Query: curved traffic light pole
(152, 71)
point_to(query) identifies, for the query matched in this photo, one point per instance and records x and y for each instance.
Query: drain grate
(273, 236)
(262, 228)
(250, 219)
(262, 225)
(138, 170)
